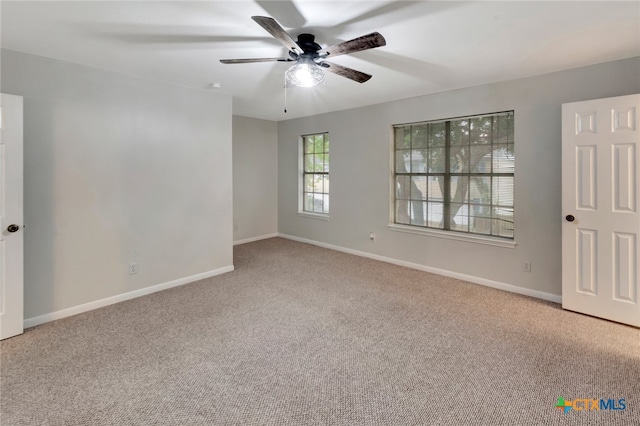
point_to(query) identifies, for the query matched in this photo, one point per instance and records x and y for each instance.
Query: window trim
(453, 235)
(301, 211)
(312, 215)
(435, 232)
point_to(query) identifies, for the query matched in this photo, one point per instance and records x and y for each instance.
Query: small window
(456, 174)
(315, 173)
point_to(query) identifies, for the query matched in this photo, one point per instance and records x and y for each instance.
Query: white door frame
(11, 213)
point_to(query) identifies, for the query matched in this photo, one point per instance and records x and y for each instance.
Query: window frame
(302, 173)
(454, 234)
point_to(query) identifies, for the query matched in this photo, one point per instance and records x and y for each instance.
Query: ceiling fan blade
(284, 11)
(250, 60)
(365, 42)
(174, 39)
(273, 28)
(347, 72)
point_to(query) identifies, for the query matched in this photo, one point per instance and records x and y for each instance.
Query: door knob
(570, 218)
(13, 228)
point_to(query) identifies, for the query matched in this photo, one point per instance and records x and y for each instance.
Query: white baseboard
(252, 239)
(31, 322)
(470, 278)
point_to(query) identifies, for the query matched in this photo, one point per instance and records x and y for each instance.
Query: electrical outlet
(133, 268)
(526, 266)
(372, 236)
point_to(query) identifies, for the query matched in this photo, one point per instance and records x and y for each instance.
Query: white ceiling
(431, 46)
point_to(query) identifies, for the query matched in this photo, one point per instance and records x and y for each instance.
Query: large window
(315, 173)
(456, 174)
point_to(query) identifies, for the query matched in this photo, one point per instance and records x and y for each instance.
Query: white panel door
(11, 217)
(600, 196)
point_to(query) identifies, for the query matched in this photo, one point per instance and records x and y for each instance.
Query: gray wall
(118, 169)
(255, 178)
(360, 174)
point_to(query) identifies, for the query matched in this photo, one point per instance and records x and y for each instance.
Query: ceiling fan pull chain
(285, 94)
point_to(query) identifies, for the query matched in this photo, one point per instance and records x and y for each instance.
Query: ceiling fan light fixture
(305, 73)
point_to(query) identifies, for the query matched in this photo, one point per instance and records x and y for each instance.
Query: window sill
(319, 216)
(470, 238)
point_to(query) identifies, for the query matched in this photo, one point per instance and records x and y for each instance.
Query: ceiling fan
(310, 57)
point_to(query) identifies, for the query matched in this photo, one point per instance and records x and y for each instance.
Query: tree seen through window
(456, 174)
(315, 175)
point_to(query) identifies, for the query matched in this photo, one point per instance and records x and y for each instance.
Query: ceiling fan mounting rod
(307, 44)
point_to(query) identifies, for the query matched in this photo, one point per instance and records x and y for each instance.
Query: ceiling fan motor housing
(308, 45)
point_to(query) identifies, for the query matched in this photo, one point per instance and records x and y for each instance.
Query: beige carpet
(300, 335)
